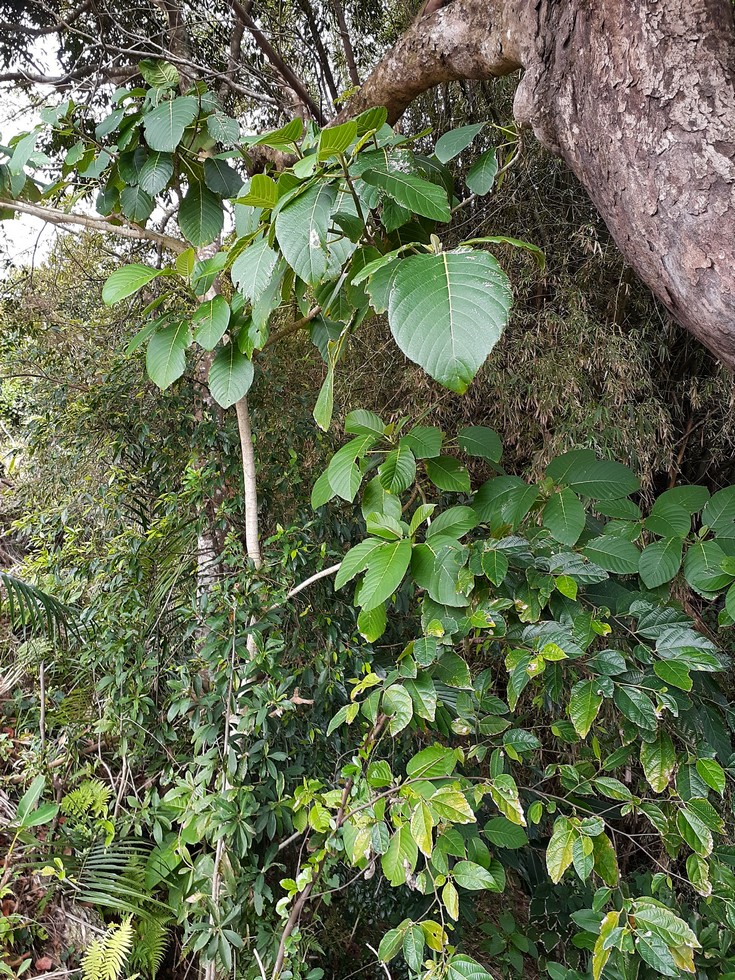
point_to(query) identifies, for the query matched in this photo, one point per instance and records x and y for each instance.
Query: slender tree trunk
(638, 97)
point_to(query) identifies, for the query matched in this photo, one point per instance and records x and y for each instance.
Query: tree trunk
(638, 97)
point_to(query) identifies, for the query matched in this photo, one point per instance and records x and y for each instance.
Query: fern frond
(153, 938)
(93, 961)
(118, 946)
(106, 957)
(90, 797)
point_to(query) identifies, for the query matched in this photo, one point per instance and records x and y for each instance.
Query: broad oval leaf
(164, 126)
(201, 217)
(414, 193)
(126, 281)
(564, 516)
(156, 172)
(385, 572)
(253, 268)
(481, 175)
(601, 479)
(210, 321)
(452, 143)
(660, 562)
(230, 375)
(301, 229)
(166, 358)
(447, 312)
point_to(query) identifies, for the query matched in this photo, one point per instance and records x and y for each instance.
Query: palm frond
(114, 878)
(31, 609)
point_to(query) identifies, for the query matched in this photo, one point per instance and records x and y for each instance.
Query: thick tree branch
(55, 217)
(637, 97)
(467, 39)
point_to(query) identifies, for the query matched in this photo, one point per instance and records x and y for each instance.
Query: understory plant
(522, 694)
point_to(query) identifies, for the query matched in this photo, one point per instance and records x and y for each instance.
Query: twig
(332, 570)
(384, 965)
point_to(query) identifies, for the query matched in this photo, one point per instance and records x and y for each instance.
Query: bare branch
(320, 50)
(346, 43)
(103, 225)
(277, 61)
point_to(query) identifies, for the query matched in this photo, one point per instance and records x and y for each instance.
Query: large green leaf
(719, 511)
(660, 562)
(452, 143)
(479, 440)
(559, 853)
(165, 125)
(343, 472)
(210, 321)
(127, 280)
(200, 216)
(658, 759)
(136, 204)
(336, 139)
(398, 704)
(668, 520)
(703, 567)
(253, 268)
(474, 878)
(411, 192)
(166, 358)
(613, 553)
(156, 172)
(481, 175)
(448, 311)
(221, 178)
(461, 967)
(230, 375)
(400, 858)
(564, 516)
(385, 572)
(301, 229)
(356, 560)
(601, 479)
(158, 74)
(448, 473)
(584, 705)
(398, 470)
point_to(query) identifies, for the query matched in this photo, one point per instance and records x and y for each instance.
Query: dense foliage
(526, 695)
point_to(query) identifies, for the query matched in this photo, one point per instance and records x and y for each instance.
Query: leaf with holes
(301, 229)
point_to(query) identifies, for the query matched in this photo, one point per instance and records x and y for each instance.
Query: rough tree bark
(638, 97)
